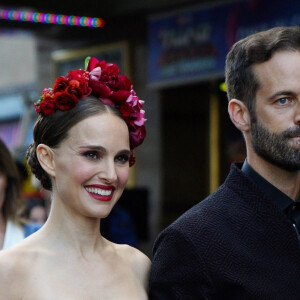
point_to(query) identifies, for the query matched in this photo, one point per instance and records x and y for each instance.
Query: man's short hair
(241, 82)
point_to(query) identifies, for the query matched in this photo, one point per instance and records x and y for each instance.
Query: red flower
(131, 159)
(104, 82)
(123, 83)
(100, 89)
(119, 96)
(60, 84)
(75, 89)
(109, 72)
(64, 100)
(112, 69)
(80, 79)
(125, 109)
(74, 83)
(77, 92)
(79, 75)
(47, 106)
(94, 63)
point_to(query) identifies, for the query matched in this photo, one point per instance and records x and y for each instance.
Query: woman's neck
(71, 231)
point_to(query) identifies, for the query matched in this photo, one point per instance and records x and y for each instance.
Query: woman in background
(35, 210)
(13, 228)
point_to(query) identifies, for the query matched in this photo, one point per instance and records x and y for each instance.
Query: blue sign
(192, 45)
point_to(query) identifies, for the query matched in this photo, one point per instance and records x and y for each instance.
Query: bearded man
(242, 242)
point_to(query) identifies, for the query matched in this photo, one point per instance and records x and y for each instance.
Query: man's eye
(283, 101)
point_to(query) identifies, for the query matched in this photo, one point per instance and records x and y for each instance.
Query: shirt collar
(278, 197)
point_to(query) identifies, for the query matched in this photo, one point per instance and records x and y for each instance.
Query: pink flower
(37, 108)
(95, 74)
(47, 91)
(140, 121)
(137, 136)
(133, 100)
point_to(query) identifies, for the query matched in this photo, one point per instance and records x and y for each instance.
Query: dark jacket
(235, 244)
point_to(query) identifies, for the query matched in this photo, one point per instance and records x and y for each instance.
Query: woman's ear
(45, 157)
(239, 115)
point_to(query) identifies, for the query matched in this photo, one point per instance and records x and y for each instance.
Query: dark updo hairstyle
(53, 129)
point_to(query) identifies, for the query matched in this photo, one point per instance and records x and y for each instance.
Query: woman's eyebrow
(93, 147)
(125, 151)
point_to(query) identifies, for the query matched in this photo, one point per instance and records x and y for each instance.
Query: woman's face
(3, 184)
(92, 165)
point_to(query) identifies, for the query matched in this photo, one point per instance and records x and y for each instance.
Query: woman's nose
(108, 171)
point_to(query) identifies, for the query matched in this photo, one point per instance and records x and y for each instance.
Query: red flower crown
(103, 81)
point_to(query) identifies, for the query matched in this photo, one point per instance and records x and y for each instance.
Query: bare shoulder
(12, 266)
(140, 263)
(17, 264)
(10, 261)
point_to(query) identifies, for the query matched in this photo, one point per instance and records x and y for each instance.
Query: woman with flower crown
(88, 125)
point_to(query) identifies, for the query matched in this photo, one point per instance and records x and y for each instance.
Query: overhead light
(38, 17)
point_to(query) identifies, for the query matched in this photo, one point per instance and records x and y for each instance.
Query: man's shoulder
(200, 216)
(207, 207)
(213, 211)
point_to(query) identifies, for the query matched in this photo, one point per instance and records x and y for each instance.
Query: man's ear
(45, 157)
(239, 114)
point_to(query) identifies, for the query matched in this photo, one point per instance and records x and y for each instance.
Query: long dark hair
(12, 200)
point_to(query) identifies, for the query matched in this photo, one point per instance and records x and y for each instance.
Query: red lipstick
(100, 192)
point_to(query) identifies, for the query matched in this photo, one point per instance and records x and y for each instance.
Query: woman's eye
(91, 155)
(122, 158)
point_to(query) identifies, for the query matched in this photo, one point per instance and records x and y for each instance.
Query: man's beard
(275, 148)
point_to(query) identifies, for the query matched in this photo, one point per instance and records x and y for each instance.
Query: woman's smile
(100, 192)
